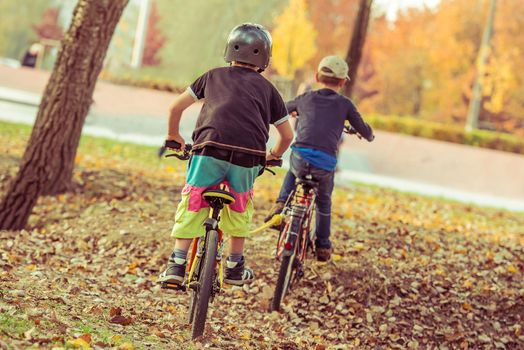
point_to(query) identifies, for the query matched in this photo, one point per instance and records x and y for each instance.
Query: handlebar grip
(175, 145)
(274, 162)
(172, 144)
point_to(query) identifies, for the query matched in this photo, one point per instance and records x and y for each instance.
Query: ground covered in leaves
(408, 273)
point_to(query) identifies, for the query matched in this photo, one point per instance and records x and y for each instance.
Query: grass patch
(14, 324)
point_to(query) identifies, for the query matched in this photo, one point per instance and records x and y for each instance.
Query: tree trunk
(48, 161)
(356, 45)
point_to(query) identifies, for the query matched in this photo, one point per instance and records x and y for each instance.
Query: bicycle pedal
(172, 286)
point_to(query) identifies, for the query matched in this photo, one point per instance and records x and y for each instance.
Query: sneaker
(237, 274)
(276, 209)
(323, 254)
(174, 273)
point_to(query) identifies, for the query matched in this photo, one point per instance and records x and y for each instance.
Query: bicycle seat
(224, 196)
(312, 183)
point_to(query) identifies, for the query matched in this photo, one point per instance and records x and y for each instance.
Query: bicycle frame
(300, 205)
(197, 250)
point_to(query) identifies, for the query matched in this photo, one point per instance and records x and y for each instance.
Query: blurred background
(442, 80)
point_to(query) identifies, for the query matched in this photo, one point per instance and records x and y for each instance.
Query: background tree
(358, 39)
(194, 46)
(49, 28)
(155, 39)
(16, 32)
(333, 21)
(293, 39)
(47, 164)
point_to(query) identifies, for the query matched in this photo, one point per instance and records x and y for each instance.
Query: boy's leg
(176, 265)
(287, 187)
(203, 172)
(323, 218)
(236, 221)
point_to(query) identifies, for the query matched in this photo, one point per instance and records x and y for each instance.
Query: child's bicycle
(296, 225)
(205, 270)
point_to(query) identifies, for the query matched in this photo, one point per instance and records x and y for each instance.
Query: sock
(235, 257)
(178, 256)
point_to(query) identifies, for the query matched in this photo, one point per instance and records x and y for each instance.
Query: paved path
(408, 163)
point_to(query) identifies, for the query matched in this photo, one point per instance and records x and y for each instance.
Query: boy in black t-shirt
(229, 143)
(321, 116)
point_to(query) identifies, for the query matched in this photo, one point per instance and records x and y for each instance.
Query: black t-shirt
(321, 117)
(239, 106)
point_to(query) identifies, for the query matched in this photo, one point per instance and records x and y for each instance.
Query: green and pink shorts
(205, 173)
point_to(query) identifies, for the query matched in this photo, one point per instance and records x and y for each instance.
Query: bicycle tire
(285, 273)
(283, 280)
(205, 279)
(193, 301)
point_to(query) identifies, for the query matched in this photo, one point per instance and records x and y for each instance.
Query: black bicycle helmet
(249, 43)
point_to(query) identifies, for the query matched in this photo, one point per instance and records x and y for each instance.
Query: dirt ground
(408, 272)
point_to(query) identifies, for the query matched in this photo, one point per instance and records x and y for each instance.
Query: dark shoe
(323, 254)
(276, 209)
(237, 274)
(174, 273)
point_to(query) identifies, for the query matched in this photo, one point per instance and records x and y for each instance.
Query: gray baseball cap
(334, 67)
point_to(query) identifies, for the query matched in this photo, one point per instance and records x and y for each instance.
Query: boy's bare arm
(286, 137)
(183, 101)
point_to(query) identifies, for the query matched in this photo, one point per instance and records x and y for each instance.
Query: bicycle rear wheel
(200, 298)
(287, 268)
(285, 276)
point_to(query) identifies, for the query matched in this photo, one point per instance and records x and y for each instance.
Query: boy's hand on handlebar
(177, 138)
(270, 156)
(274, 162)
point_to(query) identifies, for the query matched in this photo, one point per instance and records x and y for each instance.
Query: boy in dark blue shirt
(321, 116)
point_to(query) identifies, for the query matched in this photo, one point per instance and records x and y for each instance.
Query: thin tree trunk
(48, 161)
(356, 45)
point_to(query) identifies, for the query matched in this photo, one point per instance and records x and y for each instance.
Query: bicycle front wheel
(200, 299)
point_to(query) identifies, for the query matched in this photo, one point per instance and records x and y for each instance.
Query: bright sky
(392, 6)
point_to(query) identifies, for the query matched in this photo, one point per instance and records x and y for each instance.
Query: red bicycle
(297, 233)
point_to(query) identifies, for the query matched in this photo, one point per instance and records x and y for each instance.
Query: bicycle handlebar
(274, 162)
(173, 145)
(186, 154)
(351, 131)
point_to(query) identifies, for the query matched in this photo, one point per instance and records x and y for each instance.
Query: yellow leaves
(512, 269)
(172, 310)
(245, 336)
(467, 307)
(78, 343)
(169, 169)
(467, 284)
(336, 257)
(31, 267)
(359, 246)
(293, 39)
(131, 268)
(126, 346)
(490, 255)
(116, 339)
(518, 330)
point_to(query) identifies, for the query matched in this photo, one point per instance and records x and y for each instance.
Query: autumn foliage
(424, 64)
(293, 39)
(155, 39)
(49, 28)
